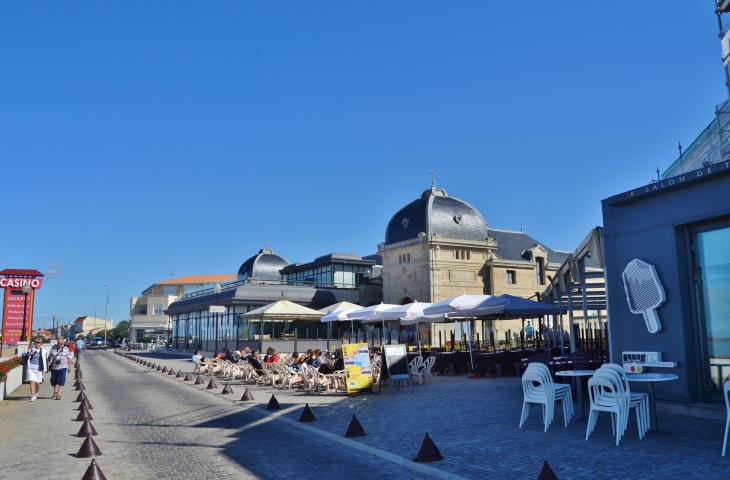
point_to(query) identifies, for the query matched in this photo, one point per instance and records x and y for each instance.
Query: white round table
(578, 374)
(649, 379)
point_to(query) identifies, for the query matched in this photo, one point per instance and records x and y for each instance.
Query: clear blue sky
(141, 136)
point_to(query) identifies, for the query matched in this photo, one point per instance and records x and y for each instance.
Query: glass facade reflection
(191, 330)
(712, 284)
(333, 275)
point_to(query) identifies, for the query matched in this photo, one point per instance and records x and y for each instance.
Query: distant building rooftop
(192, 280)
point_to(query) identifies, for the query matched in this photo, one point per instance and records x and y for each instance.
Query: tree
(121, 331)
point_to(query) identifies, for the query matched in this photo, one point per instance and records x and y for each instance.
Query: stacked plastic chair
(538, 388)
(609, 392)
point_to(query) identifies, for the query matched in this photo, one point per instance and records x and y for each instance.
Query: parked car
(98, 341)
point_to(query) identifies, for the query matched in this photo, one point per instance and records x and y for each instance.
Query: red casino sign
(18, 304)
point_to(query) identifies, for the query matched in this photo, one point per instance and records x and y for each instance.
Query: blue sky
(141, 136)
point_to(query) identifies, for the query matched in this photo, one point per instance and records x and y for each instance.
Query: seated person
(268, 354)
(309, 358)
(334, 366)
(197, 357)
(246, 354)
(294, 363)
(317, 360)
(273, 357)
(255, 361)
(229, 356)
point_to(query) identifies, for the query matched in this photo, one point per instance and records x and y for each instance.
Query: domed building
(263, 267)
(439, 246)
(436, 212)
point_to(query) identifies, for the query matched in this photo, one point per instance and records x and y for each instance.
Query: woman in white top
(36, 367)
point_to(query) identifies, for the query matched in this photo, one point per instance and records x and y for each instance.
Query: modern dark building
(681, 226)
(265, 278)
(339, 270)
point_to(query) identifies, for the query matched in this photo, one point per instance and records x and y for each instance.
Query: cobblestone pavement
(155, 426)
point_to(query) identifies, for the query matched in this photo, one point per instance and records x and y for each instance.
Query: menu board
(18, 311)
(396, 359)
(358, 371)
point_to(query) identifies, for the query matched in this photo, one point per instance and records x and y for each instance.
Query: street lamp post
(106, 311)
(217, 289)
(24, 333)
(54, 332)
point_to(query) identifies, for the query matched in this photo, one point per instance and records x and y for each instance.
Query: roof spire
(266, 245)
(433, 177)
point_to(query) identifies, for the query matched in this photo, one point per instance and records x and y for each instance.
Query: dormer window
(540, 270)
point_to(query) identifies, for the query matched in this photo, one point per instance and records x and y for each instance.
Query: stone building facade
(438, 247)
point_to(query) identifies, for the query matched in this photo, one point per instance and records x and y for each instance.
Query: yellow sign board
(358, 371)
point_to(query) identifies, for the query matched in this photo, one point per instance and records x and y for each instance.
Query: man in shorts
(60, 360)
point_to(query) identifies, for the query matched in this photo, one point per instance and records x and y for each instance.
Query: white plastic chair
(726, 389)
(425, 370)
(605, 396)
(544, 396)
(639, 401)
(415, 366)
(562, 390)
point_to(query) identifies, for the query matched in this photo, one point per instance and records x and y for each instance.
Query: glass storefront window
(711, 263)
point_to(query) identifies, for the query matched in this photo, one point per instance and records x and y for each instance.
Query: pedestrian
(37, 366)
(60, 361)
(79, 346)
(529, 330)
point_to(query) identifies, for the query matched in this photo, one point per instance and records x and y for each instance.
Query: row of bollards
(89, 449)
(428, 451)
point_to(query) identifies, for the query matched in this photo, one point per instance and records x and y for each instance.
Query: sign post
(20, 286)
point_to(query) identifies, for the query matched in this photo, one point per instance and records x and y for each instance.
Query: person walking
(37, 366)
(79, 346)
(60, 361)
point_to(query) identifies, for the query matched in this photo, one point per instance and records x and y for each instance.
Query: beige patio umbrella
(339, 306)
(281, 310)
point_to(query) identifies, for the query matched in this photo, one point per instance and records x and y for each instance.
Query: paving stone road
(152, 426)
(155, 426)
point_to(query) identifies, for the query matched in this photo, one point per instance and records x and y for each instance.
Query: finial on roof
(522, 230)
(433, 177)
(266, 245)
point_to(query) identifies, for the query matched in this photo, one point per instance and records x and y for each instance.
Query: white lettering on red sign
(19, 282)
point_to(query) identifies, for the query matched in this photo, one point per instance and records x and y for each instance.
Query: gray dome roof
(436, 212)
(264, 267)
